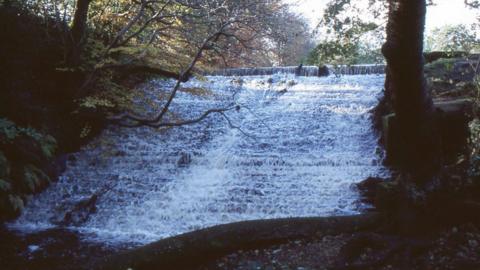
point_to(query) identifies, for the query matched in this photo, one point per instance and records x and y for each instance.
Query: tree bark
(78, 32)
(405, 85)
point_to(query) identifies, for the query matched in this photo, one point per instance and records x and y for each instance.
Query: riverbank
(44, 113)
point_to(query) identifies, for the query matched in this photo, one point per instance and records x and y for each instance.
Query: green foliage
(474, 144)
(9, 131)
(333, 53)
(352, 32)
(440, 68)
(49, 146)
(453, 38)
(34, 179)
(94, 102)
(4, 166)
(5, 186)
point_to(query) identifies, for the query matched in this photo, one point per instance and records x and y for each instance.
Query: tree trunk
(405, 84)
(78, 33)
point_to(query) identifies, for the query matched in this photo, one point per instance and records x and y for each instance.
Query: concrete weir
(305, 71)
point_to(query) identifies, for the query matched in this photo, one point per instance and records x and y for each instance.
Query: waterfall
(305, 71)
(301, 143)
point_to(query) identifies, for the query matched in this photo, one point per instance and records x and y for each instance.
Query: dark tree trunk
(78, 33)
(406, 86)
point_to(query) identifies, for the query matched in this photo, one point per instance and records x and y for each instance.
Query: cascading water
(301, 143)
(306, 71)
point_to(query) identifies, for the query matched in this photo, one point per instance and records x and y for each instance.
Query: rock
(368, 188)
(185, 159)
(4, 166)
(237, 80)
(81, 212)
(323, 71)
(461, 106)
(270, 80)
(451, 76)
(291, 83)
(436, 55)
(387, 196)
(453, 118)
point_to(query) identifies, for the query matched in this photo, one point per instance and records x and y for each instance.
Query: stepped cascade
(307, 71)
(295, 148)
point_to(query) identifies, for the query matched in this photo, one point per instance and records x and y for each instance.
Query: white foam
(308, 145)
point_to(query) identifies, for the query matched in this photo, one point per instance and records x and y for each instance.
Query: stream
(295, 148)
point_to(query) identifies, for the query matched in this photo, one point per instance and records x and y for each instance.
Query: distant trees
(454, 38)
(351, 32)
(107, 40)
(291, 38)
(158, 31)
(210, 29)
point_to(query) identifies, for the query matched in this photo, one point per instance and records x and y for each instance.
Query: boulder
(184, 160)
(291, 83)
(452, 118)
(368, 189)
(387, 196)
(81, 212)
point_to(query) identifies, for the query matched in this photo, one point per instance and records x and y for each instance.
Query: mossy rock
(34, 180)
(4, 166)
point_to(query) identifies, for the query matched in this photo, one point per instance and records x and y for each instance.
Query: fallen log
(189, 250)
